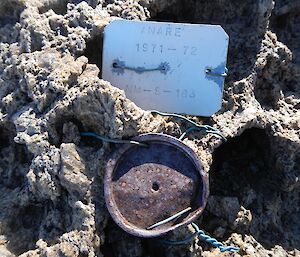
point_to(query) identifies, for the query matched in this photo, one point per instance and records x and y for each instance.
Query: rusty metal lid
(144, 185)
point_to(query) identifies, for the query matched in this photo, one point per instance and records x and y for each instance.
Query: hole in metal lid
(155, 186)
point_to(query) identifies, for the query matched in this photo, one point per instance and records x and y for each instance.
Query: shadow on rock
(257, 172)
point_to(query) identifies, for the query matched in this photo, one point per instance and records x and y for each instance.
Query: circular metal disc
(144, 185)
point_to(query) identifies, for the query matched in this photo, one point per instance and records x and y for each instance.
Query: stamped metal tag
(169, 67)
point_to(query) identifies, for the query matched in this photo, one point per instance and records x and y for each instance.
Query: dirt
(51, 178)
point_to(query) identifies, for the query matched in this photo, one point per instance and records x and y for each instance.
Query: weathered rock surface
(51, 178)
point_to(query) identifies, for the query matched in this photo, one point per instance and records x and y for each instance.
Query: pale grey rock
(51, 178)
(72, 171)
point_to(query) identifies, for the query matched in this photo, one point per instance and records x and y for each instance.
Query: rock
(51, 178)
(243, 220)
(72, 171)
(224, 207)
(4, 252)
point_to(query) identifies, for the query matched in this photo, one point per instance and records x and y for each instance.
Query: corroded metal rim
(112, 165)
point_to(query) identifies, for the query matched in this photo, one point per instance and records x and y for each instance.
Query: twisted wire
(195, 126)
(214, 241)
(205, 238)
(191, 129)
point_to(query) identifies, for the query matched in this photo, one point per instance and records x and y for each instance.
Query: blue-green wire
(204, 237)
(195, 126)
(111, 140)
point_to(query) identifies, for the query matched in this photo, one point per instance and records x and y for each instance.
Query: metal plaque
(169, 67)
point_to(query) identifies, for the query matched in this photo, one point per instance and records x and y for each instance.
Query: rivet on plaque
(146, 185)
(169, 67)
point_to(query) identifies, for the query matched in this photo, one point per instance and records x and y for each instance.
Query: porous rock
(51, 177)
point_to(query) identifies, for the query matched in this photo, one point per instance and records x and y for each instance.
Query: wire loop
(175, 216)
(195, 126)
(211, 72)
(119, 67)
